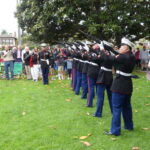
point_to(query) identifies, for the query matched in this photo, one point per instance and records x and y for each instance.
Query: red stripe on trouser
(73, 78)
(88, 90)
(72, 72)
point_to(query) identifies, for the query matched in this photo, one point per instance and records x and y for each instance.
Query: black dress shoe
(109, 133)
(96, 116)
(89, 106)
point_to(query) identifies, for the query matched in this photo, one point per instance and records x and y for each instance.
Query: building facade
(7, 40)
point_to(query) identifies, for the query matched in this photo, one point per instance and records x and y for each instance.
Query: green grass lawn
(38, 117)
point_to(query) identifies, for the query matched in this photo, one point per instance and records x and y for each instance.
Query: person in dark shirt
(44, 58)
(60, 63)
(122, 89)
(104, 81)
(92, 74)
(84, 76)
(26, 59)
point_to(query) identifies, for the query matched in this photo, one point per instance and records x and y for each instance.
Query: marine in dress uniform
(92, 74)
(104, 81)
(78, 73)
(122, 89)
(74, 71)
(84, 76)
(44, 58)
(84, 68)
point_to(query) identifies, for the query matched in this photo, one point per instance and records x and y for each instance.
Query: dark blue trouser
(9, 65)
(84, 86)
(100, 98)
(45, 72)
(74, 78)
(121, 103)
(91, 92)
(79, 80)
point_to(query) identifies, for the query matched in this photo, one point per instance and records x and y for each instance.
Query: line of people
(93, 72)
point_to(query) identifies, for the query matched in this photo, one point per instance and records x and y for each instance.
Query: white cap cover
(107, 43)
(88, 42)
(43, 45)
(127, 42)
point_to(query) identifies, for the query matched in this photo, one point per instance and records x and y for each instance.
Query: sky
(7, 19)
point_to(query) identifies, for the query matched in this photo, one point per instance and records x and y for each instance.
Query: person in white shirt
(8, 63)
(144, 58)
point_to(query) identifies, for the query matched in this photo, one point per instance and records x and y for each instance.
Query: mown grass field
(38, 117)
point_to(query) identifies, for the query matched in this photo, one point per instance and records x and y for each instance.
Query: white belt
(81, 60)
(86, 61)
(44, 59)
(94, 64)
(76, 59)
(123, 73)
(106, 69)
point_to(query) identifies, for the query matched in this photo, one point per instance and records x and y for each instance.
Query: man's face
(27, 49)
(96, 46)
(124, 49)
(44, 49)
(6, 48)
(19, 47)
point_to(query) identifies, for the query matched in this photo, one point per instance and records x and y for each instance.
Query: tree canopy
(54, 20)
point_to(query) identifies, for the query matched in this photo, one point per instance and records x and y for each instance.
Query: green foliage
(54, 20)
(28, 40)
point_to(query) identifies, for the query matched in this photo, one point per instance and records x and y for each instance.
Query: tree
(4, 32)
(53, 20)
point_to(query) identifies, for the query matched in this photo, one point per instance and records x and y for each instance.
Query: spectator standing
(137, 57)
(17, 54)
(8, 63)
(44, 57)
(69, 67)
(34, 65)
(26, 58)
(144, 58)
(60, 64)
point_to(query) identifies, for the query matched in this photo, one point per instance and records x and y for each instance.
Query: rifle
(106, 46)
(90, 37)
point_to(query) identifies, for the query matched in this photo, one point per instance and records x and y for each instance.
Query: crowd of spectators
(60, 62)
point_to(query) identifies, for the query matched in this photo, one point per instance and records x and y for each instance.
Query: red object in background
(1, 60)
(31, 61)
(137, 55)
(144, 46)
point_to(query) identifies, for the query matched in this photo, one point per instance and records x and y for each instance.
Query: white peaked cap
(101, 46)
(86, 47)
(74, 47)
(127, 42)
(80, 47)
(69, 48)
(88, 42)
(107, 43)
(43, 45)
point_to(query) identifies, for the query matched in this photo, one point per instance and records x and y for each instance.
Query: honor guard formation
(93, 69)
